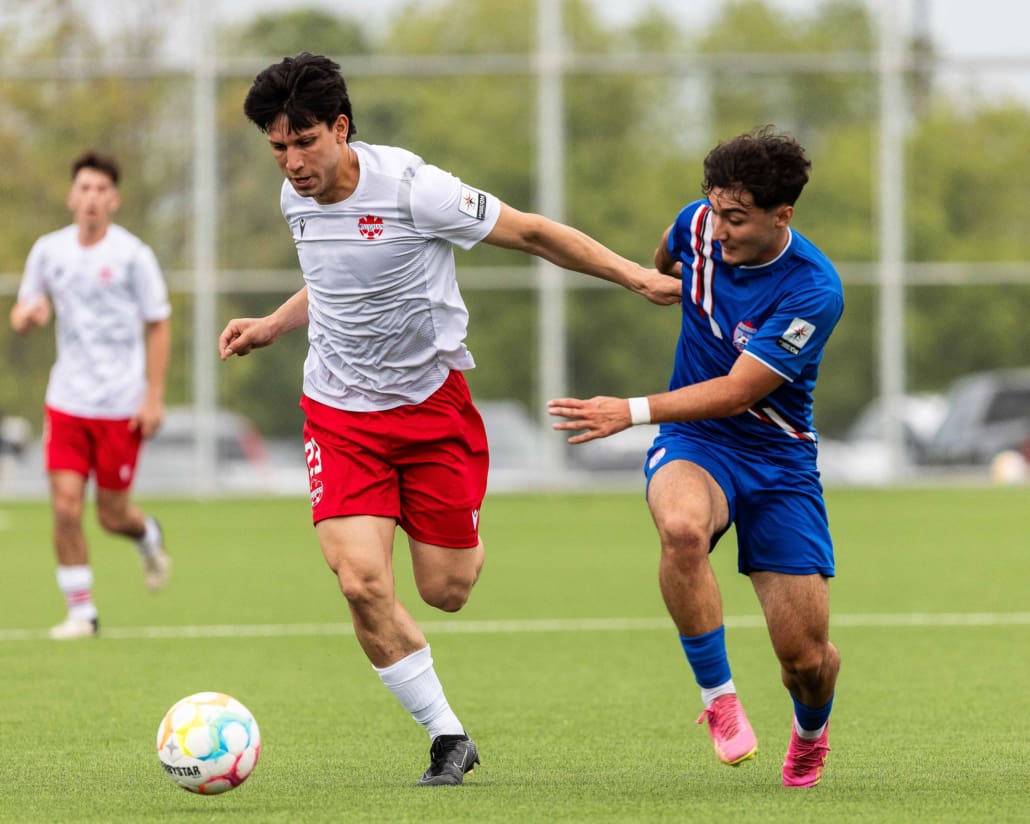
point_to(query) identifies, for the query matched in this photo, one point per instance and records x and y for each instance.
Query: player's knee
(448, 594)
(811, 663)
(684, 539)
(363, 592)
(67, 511)
(111, 520)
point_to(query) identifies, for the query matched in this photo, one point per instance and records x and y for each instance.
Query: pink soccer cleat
(806, 757)
(731, 733)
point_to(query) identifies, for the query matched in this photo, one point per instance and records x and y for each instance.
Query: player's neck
(91, 234)
(348, 172)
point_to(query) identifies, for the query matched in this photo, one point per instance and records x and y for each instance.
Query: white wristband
(639, 411)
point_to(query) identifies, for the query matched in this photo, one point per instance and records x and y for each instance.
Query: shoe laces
(725, 723)
(442, 748)
(808, 754)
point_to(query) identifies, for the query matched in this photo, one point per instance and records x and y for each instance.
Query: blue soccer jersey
(781, 313)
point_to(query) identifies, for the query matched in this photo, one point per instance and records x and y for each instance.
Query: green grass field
(563, 667)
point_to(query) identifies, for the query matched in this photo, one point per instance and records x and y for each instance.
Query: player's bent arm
(747, 382)
(241, 335)
(663, 261)
(578, 252)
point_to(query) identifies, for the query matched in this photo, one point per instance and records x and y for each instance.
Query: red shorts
(102, 446)
(424, 465)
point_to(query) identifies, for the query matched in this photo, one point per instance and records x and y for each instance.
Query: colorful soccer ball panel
(208, 743)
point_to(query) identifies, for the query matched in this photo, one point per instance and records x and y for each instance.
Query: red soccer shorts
(106, 447)
(424, 465)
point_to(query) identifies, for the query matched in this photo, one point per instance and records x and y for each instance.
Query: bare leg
(797, 612)
(359, 550)
(445, 576)
(67, 495)
(688, 508)
(118, 515)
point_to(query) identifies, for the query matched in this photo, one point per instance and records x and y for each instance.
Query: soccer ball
(208, 743)
(1009, 468)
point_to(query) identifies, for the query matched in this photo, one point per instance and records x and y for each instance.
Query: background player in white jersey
(106, 388)
(736, 442)
(392, 437)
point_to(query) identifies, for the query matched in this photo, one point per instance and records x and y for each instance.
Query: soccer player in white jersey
(106, 389)
(391, 435)
(736, 443)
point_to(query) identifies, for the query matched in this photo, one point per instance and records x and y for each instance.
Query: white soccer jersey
(102, 295)
(386, 322)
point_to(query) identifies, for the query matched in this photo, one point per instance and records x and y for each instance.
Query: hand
(30, 314)
(660, 288)
(241, 335)
(148, 419)
(600, 416)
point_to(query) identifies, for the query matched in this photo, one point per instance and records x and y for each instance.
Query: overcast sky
(963, 27)
(987, 40)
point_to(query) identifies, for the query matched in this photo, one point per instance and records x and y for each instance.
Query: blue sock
(707, 657)
(812, 719)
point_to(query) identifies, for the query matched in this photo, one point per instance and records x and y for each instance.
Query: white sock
(708, 695)
(809, 735)
(150, 541)
(76, 583)
(413, 681)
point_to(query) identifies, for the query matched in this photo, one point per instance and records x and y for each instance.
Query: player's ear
(783, 214)
(341, 128)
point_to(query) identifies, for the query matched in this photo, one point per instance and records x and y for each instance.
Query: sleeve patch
(472, 203)
(796, 335)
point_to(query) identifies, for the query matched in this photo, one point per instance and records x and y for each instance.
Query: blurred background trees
(635, 142)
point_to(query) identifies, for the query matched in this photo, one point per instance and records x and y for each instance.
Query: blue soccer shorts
(777, 508)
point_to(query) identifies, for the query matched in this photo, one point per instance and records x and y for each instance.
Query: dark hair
(770, 165)
(103, 163)
(306, 89)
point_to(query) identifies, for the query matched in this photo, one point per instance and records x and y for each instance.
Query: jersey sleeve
(33, 284)
(795, 333)
(444, 207)
(150, 285)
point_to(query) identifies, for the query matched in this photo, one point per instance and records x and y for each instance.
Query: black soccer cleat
(450, 757)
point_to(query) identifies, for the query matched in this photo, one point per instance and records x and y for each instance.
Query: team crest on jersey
(106, 276)
(742, 334)
(796, 335)
(370, 227)
(472, 203)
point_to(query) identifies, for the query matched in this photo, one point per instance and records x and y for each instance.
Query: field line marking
(898, 620)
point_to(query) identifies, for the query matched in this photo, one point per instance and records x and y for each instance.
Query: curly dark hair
(770, 165)
(92, 159)
(306, 89)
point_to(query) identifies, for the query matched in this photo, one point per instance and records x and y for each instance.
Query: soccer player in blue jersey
(736, 443)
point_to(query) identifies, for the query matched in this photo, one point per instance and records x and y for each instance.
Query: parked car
(988, 413)
(863, 457)
(168, 460)
(921, 416)
(15, 434)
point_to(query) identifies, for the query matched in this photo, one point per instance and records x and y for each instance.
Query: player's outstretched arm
(573, 250)
(747, 383)
(241, 335)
